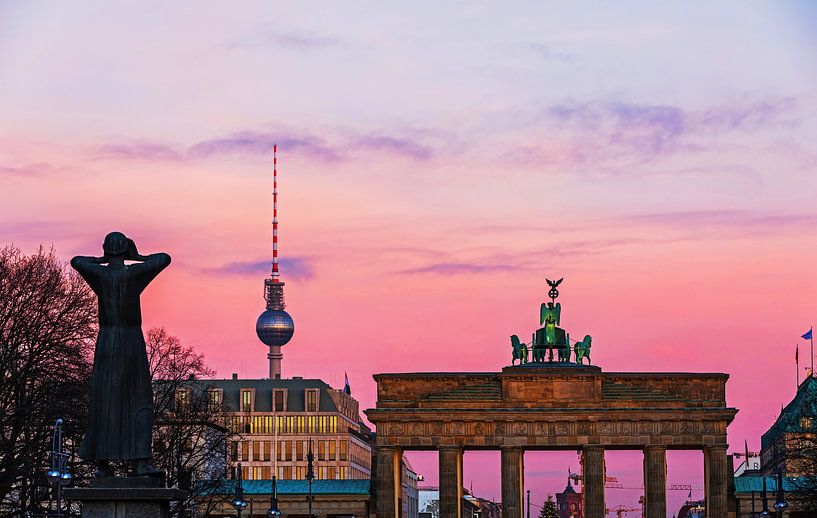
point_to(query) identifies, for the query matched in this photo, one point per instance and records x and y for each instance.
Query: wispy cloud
(337, 146)
(294, 40)
(609, 135)
(392, 145)
(735, 219)
(138, 150)
(28, 170)
(261, 143)
(296, 268)
(448, 269)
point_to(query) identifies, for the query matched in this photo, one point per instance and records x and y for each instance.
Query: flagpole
(811, 332)
(797, 361)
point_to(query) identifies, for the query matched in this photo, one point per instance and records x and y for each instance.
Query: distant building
(569, 502)
(411, 495)
(788, 445)
(471, 506)
(692, 509)
(278, 421)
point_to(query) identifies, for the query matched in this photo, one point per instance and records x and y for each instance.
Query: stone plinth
(136, 497)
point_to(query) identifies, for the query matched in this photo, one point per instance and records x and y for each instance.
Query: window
(342, 472)
(256, 450)
(331, 450)
(805, 422)
(321, 450)
(288, 450)
(300, 472)
(245, 451)
(215, 399)
(342, 450)
(267, 448)
(278, 401)
(182, 399)
(299, 450)
(246, 400)
(311, 400)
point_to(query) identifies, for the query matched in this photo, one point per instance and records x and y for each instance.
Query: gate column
(593, 487)
(450, 481)
(389, 482)
(513, 481)
(655, 481)
(716, 479)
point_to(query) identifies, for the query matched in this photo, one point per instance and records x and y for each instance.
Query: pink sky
(435, 166)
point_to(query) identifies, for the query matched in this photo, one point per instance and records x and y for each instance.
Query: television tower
(274, 326)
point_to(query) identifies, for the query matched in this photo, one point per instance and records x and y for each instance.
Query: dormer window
(214, 399)
(246, 400)
(182, 399)
(311, 400)
(279, 400)
(805, 422)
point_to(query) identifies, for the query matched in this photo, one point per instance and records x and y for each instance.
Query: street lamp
(58, 474)
(273, 511)
(310, 474)
(238, 500)
(780, 504)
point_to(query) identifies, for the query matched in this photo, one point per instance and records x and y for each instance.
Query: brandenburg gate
(550, 404)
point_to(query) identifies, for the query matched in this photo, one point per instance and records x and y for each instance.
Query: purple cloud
(138, 150)
(448, 269)
(299, 41)
(296, 268)
(393, 145)
(261, 143)
(38, 169)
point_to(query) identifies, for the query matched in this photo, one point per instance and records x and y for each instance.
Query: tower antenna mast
(274, 327)
(275, 273)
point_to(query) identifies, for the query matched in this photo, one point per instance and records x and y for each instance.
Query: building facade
(275, 423)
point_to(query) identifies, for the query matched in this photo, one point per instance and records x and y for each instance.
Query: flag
(346, 387)
(808, 335)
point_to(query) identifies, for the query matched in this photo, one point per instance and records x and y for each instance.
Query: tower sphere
(275, 327)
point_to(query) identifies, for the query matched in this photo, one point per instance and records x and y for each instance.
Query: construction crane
(621, 510)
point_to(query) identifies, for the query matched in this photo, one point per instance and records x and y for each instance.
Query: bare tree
(189, 438)
(47, 330)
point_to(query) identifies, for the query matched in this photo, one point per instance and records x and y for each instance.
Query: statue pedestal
(134, 497)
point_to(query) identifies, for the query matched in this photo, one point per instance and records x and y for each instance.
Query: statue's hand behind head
(132, 253)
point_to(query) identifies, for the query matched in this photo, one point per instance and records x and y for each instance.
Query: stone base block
(122, 502)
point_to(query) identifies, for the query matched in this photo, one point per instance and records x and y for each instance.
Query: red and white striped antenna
(275, 273)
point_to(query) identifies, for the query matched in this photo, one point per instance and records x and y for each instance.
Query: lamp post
(238, 500)
(780, 504)
(528, 503)
(58, 473)
(273, 511)
(310, 475)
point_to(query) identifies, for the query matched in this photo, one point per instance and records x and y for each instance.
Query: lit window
(246, 400)
(805, 422)
(215, 400)
(311, 400)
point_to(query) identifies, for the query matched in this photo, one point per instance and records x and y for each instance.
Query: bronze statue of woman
(120, 412)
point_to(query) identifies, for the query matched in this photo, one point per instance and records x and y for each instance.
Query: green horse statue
(520, 350)
(583, 350)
